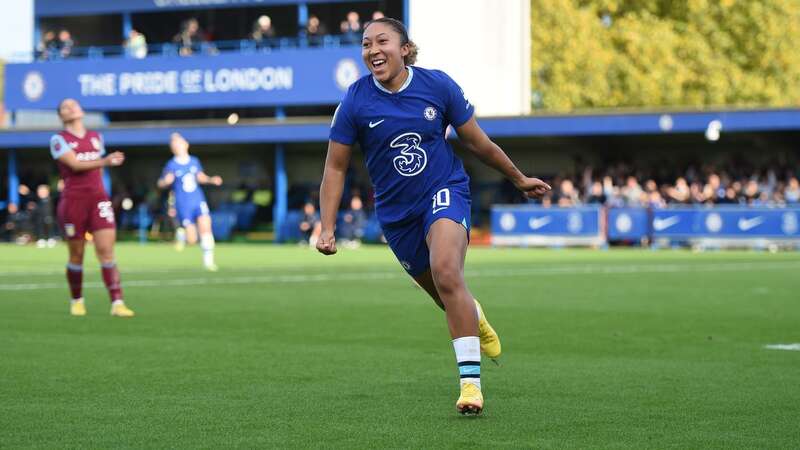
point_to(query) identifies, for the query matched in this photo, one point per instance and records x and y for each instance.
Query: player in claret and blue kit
(185, 174)
(85, 206)
(399, 114)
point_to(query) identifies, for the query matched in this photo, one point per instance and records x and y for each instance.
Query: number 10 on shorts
(441, 200)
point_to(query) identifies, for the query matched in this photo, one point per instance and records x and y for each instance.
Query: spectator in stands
(65, 43)
(315, 31)
(48, 47)
(351, 28)
(263, 33)
(377, 15)
(567, 195)
(136, 45)
(792, 191)
(714, 191)
(355, 221)
(16, 227)
(596, 194)
(680, 192)
(43, 218)
(751, 193)
(310, 225)
(632, 192)
(190, 37)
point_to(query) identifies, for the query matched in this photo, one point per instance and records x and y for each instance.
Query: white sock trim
(467, 348)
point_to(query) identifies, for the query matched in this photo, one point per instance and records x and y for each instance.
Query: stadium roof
(316, 129)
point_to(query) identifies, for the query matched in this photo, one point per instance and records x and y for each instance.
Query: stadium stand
(252, 85)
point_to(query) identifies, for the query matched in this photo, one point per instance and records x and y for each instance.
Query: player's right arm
(166, 181)
(330, 193)
(62, 152)
(344, 133)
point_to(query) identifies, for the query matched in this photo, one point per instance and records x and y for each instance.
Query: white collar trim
(402, 88)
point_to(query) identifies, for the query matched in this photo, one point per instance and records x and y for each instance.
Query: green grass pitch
(285, 348)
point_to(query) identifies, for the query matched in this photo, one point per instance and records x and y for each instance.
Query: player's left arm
(202, 178)
(476, 141)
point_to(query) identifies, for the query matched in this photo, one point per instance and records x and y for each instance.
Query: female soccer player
(399, 115)
(84, 206)
(190, 202)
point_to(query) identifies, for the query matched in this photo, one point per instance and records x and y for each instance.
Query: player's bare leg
(490, 341)
(76, 249)
(191, 233)
(104, 240)
(206, 241)
(447, 242)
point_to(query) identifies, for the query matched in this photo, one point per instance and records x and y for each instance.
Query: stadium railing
(170, 49)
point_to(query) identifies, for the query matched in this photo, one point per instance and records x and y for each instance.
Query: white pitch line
(790, 347)
(376, 276)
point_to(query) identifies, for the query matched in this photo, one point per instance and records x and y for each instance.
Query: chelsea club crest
(430, 113)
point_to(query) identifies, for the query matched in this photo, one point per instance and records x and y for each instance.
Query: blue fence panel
(532, 225)
(727, 222)
(628, 224)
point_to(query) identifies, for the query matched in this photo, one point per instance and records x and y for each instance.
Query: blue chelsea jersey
(403, 138)
(185, 186)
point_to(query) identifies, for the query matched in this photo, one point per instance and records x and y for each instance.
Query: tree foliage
(643, 53)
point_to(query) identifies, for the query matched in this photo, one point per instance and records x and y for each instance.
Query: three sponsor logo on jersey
(412, 159)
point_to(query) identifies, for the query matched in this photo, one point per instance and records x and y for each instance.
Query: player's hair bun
(411, 57)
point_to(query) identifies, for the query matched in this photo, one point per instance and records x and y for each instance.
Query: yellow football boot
(120, 310)
(470, 403)
(490, 341)
(77, 308)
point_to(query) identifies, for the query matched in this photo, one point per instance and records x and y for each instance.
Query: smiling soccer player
(399, 114)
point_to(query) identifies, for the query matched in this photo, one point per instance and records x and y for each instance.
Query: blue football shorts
(408, 238)
(188, 214)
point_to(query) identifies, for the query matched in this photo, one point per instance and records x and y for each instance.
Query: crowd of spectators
(191, 39)
(621, 186)
(55, 45)
(33, 220)
(353, 223)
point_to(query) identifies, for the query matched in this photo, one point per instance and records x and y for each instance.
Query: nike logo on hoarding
(747, 224)
(538, 222)
(663, 224)
(375, 124)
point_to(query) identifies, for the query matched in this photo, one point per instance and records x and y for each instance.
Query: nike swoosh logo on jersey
(436, 210)
(375, 124)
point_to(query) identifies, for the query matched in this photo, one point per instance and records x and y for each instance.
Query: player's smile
(382, 52)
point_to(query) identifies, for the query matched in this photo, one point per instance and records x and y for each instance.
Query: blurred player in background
(185, 173)
(85, 206)
(399, 115)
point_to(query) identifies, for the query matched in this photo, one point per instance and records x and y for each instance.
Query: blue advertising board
(289, 77)
(628, 224)
(532, 225)
(528, 226)
(727, 222)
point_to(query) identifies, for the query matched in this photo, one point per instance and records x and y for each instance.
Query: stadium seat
(222, 224)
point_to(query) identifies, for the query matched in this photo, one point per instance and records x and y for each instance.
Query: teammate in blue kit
(185, 173)
(399, 115)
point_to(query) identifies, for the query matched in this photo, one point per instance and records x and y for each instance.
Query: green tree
(648, 53)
